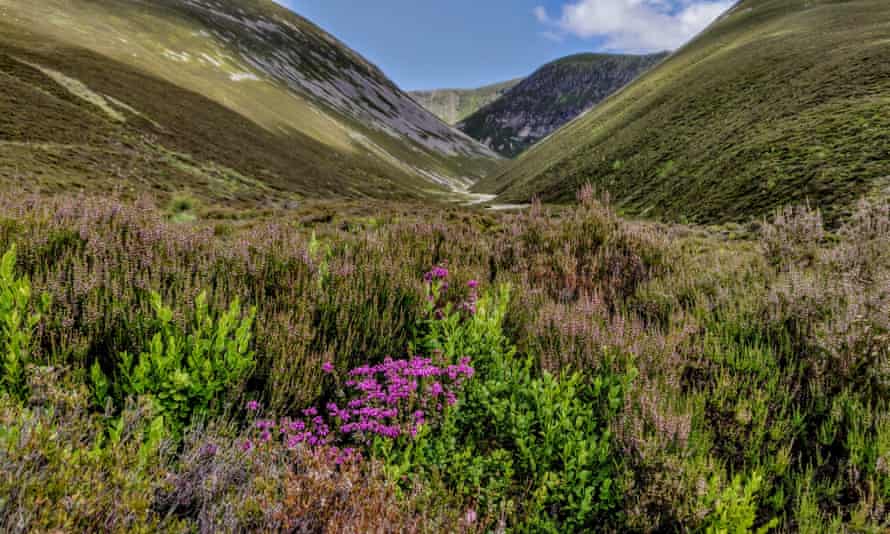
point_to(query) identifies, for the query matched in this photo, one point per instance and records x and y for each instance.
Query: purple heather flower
(438, 273)
(328, 367)
(265, 424)
(247, 445)
(253, 406)
(473, 284)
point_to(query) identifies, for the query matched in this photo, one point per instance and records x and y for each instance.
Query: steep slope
(779, 101)
(552, 96)
(238, 100)
(454, 105)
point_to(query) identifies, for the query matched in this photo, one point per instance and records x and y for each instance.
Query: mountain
(231, 99)
(552, 96)
(779, 101)
(454, 105)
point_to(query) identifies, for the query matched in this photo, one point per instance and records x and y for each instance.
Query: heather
(410, 368)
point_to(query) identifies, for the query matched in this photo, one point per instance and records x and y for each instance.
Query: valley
(248, 283)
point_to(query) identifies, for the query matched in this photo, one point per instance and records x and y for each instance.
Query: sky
(435, 44)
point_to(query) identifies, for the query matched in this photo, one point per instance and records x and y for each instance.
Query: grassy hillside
(780, 101)
(552, 96)
(235, 101)
(454, 105)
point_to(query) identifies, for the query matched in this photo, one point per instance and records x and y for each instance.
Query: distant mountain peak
(551, 97)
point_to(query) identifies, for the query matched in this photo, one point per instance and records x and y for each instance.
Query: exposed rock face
(554, 95)
(292, 51)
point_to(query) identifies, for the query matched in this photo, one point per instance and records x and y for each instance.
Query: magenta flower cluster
(438, 273)
(390, 400)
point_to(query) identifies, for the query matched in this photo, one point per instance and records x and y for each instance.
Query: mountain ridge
(776, 103)
(320, 118)
(552, 96)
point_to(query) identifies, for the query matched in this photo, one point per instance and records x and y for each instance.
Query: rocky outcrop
(552, 96)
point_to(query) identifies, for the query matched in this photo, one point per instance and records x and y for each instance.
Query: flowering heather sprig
(437, 273)
(439, 304)
(469, 305)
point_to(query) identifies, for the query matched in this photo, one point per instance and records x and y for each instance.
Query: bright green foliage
(519, 436)
(17, 323)
(186, 373)
(735, 508)
(100, 385)
(320, 254)
(478, 337)
(560, 430)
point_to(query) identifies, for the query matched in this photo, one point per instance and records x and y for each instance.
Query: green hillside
(551, 97)
(454, 105)
(779, 101)
(235, 101)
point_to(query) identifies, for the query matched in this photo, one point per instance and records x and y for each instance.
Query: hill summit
(778, 102)
(552, 96)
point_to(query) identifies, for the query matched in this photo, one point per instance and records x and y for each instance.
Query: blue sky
(429, 44)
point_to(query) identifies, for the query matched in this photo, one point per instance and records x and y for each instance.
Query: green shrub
(734, 509)
(17, 323)
(528, 445)
(186, 373)
(181, 204)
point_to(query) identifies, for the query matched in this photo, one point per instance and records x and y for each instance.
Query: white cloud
(635, 25)
(541, 14)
